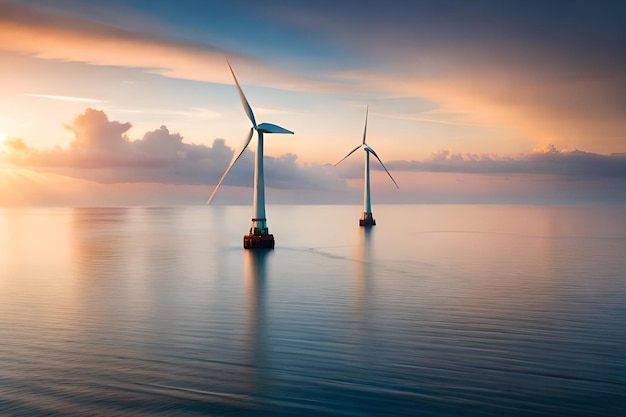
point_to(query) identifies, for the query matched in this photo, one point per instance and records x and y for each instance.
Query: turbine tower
(259, 236)
(367, 219)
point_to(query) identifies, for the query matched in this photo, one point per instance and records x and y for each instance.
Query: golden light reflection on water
(103, 259)
(98, 242)
(36, 246)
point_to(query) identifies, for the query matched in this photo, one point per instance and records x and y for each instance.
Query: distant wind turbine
(367, 219)
(259, 236)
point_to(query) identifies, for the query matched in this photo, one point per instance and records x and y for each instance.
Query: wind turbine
(259, 236)
(367, 219)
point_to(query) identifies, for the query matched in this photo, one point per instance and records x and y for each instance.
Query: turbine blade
(244, 102)
(350, 153)
(365, 130)
(236, 156)
(271, 128)
(370, 150)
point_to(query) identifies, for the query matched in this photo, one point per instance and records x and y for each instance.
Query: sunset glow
(485, 91)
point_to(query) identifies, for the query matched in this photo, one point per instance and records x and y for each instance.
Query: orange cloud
(577, 115)
(49, 35)
(551, 74)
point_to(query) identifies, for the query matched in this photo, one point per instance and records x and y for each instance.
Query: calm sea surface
(436, 311)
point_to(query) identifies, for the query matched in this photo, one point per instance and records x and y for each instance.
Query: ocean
(438, 310)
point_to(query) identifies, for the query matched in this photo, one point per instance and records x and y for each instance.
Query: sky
(132, 102)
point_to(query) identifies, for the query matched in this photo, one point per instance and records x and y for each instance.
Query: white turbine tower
(367, 219)
(259, 236)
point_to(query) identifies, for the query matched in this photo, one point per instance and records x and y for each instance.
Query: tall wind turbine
(367, 219)
(259, 236)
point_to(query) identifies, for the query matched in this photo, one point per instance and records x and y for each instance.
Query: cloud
(553, 73)
(47, 34)
(65, 98)
(101, 151)
(570, 165)
(574, 165)
(103, 167)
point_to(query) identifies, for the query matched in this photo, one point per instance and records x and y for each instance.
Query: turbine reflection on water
(255, 273)
(364, 270)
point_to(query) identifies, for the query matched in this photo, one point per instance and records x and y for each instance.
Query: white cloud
(66, 98)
